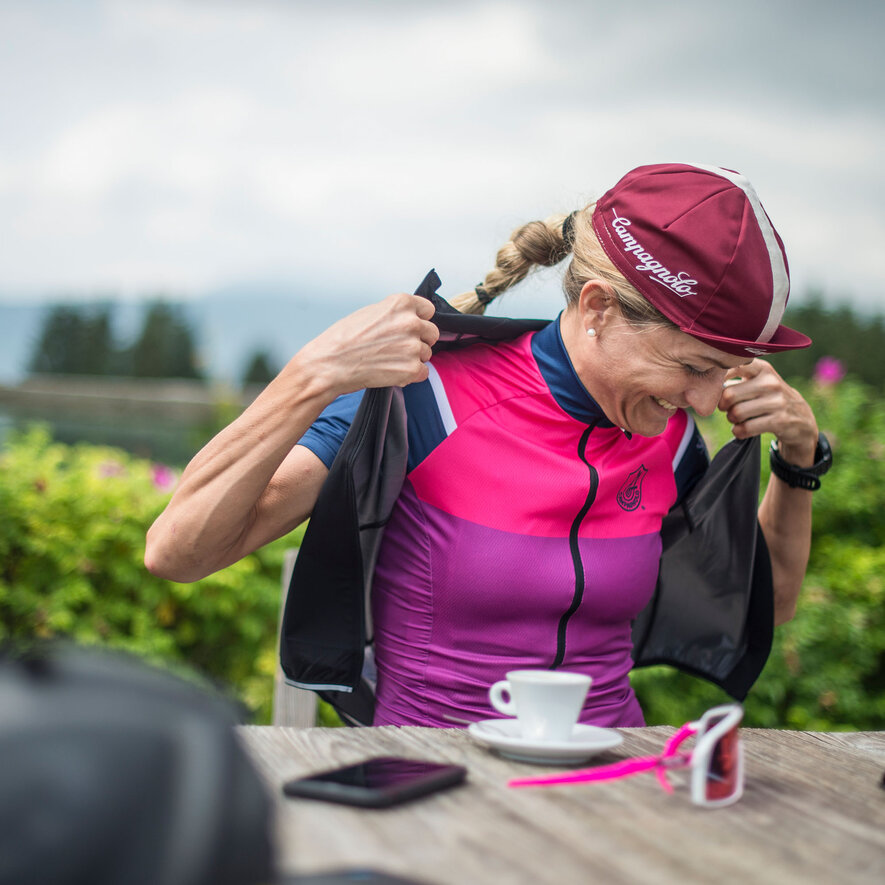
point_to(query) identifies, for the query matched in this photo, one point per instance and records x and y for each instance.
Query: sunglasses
(716, 761)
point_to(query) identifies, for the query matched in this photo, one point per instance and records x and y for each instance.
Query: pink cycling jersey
(527, 535)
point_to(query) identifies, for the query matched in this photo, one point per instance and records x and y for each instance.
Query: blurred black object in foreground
(114, 772)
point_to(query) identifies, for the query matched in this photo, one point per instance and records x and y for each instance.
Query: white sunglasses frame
(701, 754)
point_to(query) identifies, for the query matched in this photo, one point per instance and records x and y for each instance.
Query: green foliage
(827, 667)
(72, 542)
(857, 341)
(71, 565)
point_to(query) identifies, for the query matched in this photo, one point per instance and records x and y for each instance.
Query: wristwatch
(803, 477)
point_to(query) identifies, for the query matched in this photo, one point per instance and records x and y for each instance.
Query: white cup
(547, 703)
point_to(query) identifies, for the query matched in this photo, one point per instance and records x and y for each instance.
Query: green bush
(72, 542)
(827, 667)
(71, 566)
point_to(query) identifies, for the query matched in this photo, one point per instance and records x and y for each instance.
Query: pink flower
(828, 371)
(109, 468)
(163, 477)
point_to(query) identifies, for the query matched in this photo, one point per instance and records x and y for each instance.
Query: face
(640, 376)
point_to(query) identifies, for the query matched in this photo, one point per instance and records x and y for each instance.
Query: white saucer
(505, 737)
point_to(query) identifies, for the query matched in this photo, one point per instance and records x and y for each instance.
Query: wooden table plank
(813, 811)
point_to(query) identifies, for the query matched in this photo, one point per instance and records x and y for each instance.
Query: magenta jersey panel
(519, 541)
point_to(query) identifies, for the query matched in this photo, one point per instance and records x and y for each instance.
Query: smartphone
(379, 782)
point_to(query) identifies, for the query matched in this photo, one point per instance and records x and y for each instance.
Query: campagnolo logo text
(679, 283)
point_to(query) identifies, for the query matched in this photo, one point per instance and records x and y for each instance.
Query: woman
(527, 532)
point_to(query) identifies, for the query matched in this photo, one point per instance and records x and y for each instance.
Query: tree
(75, 341)
(260, 369)
(165, 346)
(857, 341)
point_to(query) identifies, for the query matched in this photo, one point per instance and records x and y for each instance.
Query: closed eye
(697, 373)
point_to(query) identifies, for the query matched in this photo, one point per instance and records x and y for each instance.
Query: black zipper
(580, 581)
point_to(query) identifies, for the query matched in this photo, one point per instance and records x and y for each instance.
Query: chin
(653, 427)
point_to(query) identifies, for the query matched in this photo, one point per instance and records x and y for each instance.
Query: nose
(704, 396)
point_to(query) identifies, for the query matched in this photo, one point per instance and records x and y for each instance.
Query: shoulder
(482, 374)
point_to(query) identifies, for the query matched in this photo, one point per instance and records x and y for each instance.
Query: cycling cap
(696, 242)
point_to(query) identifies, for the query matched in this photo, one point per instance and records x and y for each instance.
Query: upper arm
(287, 501)
(292, 492)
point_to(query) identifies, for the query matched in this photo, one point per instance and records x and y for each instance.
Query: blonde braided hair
(546, 243)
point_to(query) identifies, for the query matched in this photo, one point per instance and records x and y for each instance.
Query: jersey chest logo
(630, 495)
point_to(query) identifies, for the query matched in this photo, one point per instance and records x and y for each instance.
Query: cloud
(188, 144)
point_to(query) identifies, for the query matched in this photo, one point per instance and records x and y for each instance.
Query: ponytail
(536, 244)
(546, 243)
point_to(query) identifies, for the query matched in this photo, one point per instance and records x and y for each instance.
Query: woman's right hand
(252, 483)
(382, 345)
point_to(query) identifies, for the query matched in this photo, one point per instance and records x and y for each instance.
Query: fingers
(383, 344)
(757, 400)
(406, 306)
(748, 370)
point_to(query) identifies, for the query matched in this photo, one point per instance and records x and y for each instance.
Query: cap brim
(783, 339)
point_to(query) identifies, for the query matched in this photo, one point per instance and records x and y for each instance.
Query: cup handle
(496, 696)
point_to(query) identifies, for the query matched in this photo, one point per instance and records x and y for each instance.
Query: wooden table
(813, 811)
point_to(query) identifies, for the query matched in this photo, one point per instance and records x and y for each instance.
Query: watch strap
(802, 477)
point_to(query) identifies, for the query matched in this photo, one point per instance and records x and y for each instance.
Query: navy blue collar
(557, 370)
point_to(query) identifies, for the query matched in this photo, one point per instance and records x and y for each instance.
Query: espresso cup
(547, 703)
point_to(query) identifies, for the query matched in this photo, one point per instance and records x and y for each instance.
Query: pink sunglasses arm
(672, 745)
(627, 768)
(670, 751)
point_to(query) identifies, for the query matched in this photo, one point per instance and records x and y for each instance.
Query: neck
(574, 337)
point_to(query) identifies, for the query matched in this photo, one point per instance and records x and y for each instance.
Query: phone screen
(385, 780)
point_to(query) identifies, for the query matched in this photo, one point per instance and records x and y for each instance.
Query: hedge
(72, 543)
(71, 567)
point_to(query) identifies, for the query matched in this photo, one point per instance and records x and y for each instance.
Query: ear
(597, 305)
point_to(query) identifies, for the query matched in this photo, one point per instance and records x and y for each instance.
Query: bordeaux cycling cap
(696, 242)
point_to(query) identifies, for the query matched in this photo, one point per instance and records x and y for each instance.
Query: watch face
(824, 456)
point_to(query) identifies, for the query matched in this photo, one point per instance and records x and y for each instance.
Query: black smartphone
(378, 782)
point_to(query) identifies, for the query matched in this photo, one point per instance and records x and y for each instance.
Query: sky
(344, 148)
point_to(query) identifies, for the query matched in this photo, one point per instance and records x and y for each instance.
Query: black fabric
(326, 620)
(115, 772)
(712, 612)
(700, 619)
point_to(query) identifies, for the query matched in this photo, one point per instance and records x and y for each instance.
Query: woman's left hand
(757, 400)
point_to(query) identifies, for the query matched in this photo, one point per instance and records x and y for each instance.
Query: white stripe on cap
(780, 278)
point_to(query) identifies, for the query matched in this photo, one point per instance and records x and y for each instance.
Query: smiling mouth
(664, 404)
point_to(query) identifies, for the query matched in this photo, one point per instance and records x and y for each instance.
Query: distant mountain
(233, 322)
(230, 325)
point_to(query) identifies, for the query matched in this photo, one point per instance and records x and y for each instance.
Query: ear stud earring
(591, 332)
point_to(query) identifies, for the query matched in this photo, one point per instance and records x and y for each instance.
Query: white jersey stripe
(442, 401)
(779, 274)
(683, 443)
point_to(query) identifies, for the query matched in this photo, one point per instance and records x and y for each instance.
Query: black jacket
(711, 614)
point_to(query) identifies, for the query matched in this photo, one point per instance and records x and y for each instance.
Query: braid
(536, 244)
(545, 243)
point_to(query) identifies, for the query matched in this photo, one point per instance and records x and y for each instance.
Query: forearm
(757, 400)
(251, 483)
(226, 503)
(785, 517)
